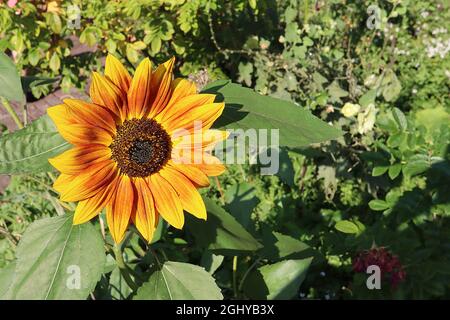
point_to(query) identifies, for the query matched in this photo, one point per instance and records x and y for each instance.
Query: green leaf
(221, 233)
(245, 73)
(277, 281)
(336, 92)
(10, 86)
(58, 260)
(347, 226)
(179, 281)
(132, 54)
(379, 170)
(28, 149)
(378, 205)
(394, 170)
(279, 246)
(155, 46)
(367, 98)
(246, 109)
(55, 62)
(400, 118)
(391, 86)
(34, 56)
(29, 82)
(211, 262)
(6, 279)
(416, 164)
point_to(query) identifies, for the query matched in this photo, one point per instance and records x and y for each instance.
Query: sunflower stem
(11, 112)
(124, 270)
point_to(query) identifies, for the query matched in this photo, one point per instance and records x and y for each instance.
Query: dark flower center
(141, 147)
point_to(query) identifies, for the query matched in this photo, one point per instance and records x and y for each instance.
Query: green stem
(125, 272)
(11, 112)
(235, 288)
(241, 284)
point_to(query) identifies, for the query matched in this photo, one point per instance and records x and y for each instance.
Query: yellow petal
(88, 113)
(181, 88)
(211, 166)
(161, 87)
(105, 93)
(197, 177)
(77, 159)
(166, 199)
(205, 115)
(204, 140)
(145, 218)
(120, 209)
(190, 199)
(79, 134)
(139, 94)
(90, 208)
(116, 72)
(183, 105)
(87, 184)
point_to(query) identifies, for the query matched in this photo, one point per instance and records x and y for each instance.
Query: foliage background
(383, 184)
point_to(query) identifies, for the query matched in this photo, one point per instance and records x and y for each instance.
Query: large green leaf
(6, 279)
(246, 109)
(10, 86)
(221, 233)
(29, 149)
(279, 281)
(57, 260)
(179, 281)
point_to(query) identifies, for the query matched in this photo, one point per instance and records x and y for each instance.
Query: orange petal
(77, 159)
(87, 184)
(79, 134)
(116, 72)
(61, 115)
(120, 208)
(105, 93)
(194, 174)
(183, 105)
(161, 87)
(211, 166)
(205, 115)
(139, 94)
(166, 199)
(92, 114)
(190, 199)
(204, 140)
(89, 208)
(145, 218)
(181, 88)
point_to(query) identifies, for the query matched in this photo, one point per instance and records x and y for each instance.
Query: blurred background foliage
(384, 184)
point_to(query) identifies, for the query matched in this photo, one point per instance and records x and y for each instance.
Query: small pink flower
(12, 3)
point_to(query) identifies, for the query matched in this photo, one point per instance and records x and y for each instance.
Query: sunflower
(137, 148)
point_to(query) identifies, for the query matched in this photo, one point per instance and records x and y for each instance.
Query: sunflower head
(141, 148)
